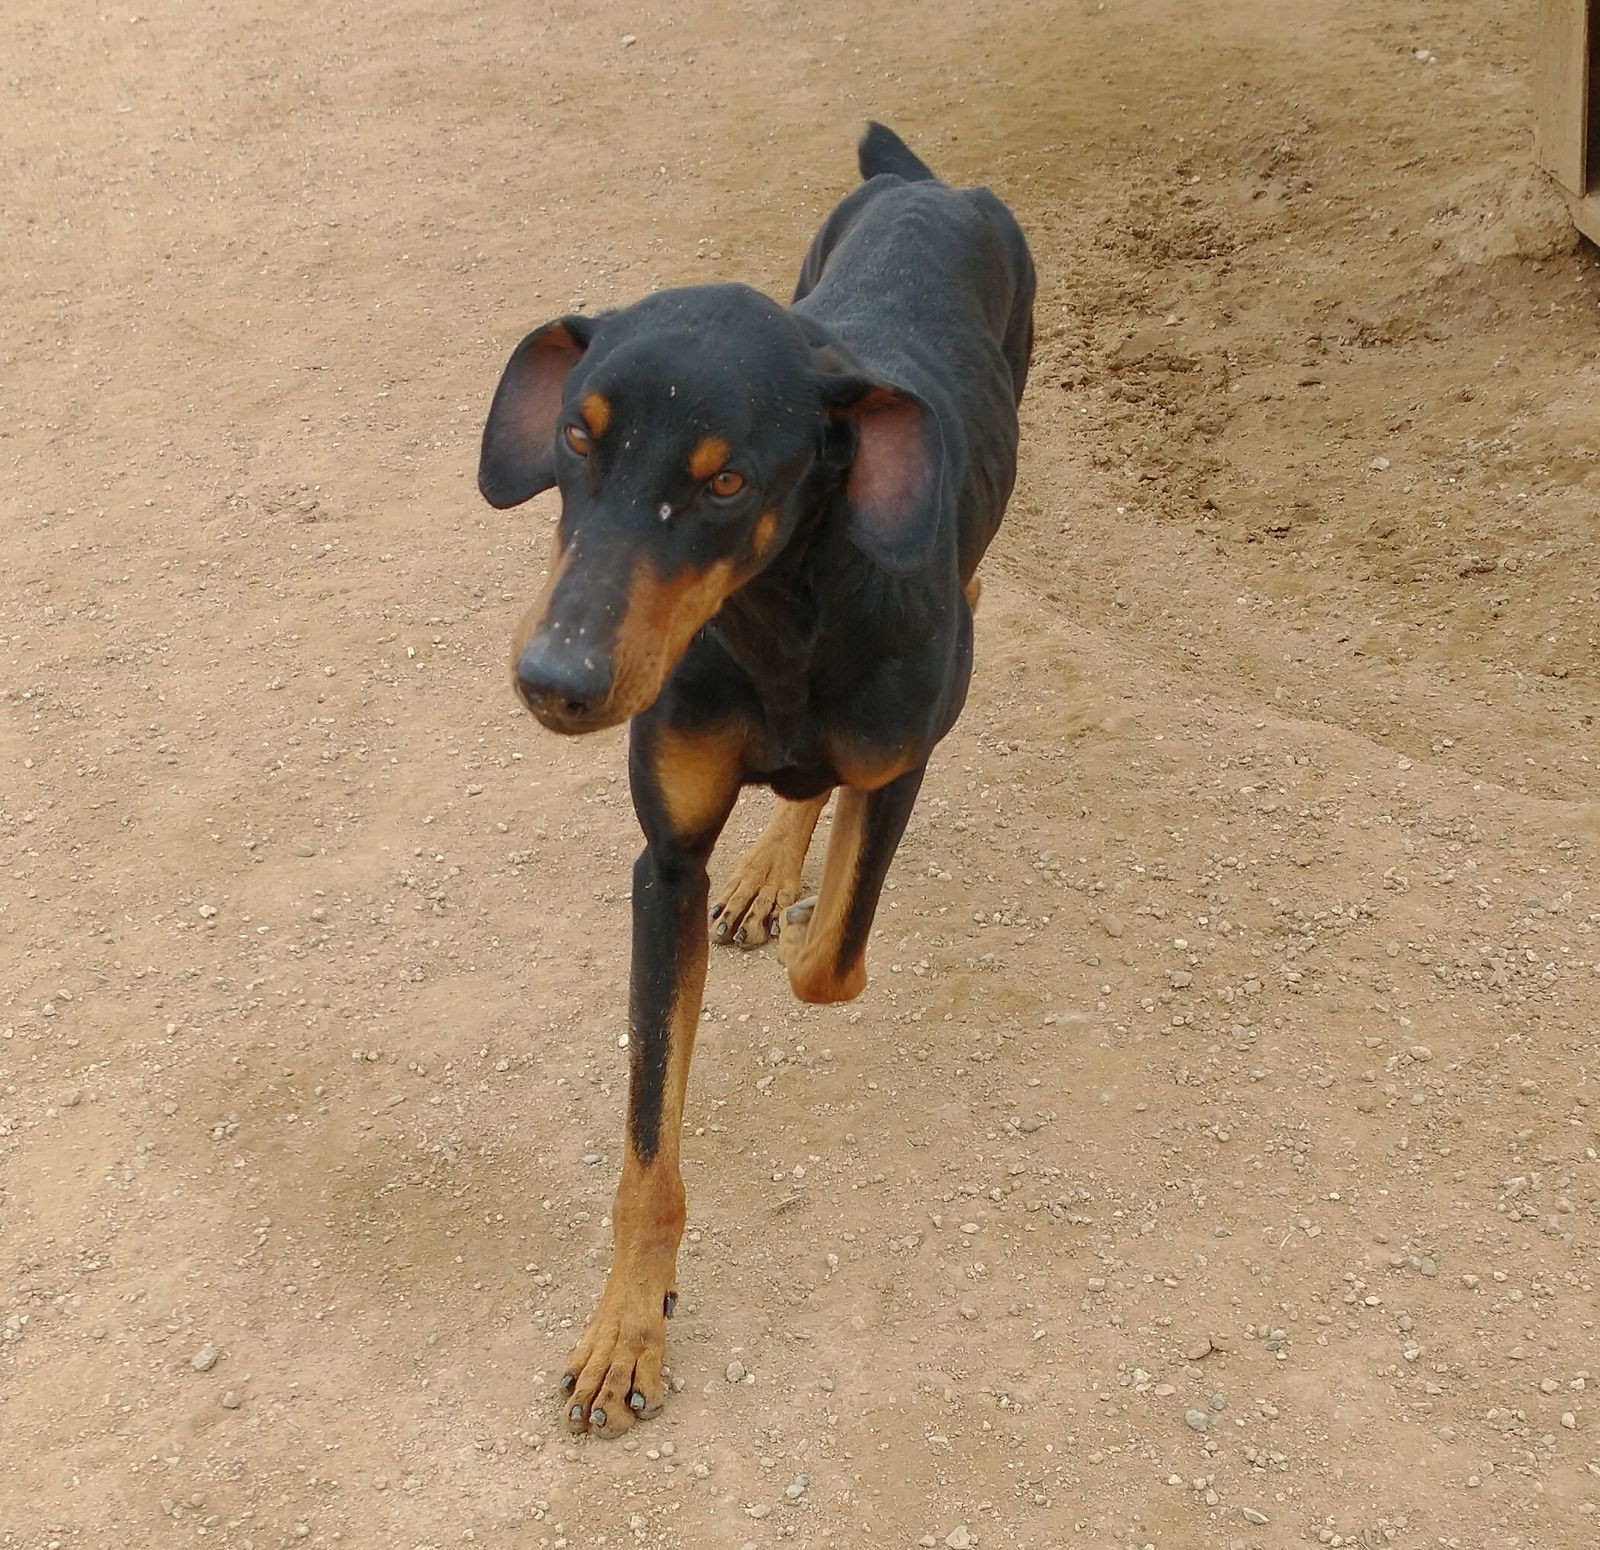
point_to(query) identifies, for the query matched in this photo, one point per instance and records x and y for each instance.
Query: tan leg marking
(808, 946)
(766, 879)
(614, 1373)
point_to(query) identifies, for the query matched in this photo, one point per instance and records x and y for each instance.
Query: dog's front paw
(614, 1377)
(766, 879)
(754, 898)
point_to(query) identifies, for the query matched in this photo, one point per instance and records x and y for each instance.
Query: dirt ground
(1214, 1160)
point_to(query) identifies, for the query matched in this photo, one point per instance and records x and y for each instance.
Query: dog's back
(906, 236)
(933, 287)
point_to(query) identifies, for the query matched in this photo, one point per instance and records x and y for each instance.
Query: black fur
(874, 424)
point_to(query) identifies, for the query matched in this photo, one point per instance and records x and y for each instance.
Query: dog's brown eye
(726, 484)
(579, 439)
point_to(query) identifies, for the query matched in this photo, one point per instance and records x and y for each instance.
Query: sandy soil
(1230, 1059)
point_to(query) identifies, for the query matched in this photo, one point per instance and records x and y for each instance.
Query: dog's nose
(563, 685)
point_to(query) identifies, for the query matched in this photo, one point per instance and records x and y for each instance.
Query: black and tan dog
(770, 522)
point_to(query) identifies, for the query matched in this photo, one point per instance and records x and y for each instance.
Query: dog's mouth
(579, 677)
(574, 689)
(572, 718)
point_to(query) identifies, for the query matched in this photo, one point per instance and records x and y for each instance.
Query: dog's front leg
(684, 787)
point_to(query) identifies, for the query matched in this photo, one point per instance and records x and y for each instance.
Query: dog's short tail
(882, 150)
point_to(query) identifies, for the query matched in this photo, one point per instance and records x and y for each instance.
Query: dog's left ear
(518, 459)
(896, 487)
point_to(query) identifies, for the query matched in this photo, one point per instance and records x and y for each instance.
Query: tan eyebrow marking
(597, 412)
(708, 457)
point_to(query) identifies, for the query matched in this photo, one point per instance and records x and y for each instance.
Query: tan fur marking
(766, 531)
(708, 457)
(865, 768)
(597, 413)
(661, 620)
(974, 590)
(810, 954)
(624, 1345)
(698, 777)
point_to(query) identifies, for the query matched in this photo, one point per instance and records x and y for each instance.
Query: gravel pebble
(1197, 1420)
(960, 1537)
(735, 1372)
(205, 1358)
(796, 1488)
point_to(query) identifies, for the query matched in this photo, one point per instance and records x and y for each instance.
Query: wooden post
(1567, 87)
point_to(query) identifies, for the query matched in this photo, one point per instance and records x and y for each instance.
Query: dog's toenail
(739, 935)
(669, 1303)
(597, 1418)
(575, 1413)
(636, 1402)
(716, 909)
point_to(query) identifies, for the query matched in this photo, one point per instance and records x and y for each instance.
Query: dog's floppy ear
(896, 487)
(518, 459)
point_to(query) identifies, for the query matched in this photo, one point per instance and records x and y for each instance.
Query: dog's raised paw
(800, 912)
(796, 924)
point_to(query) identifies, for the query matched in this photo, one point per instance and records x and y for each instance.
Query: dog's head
(682, 432)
